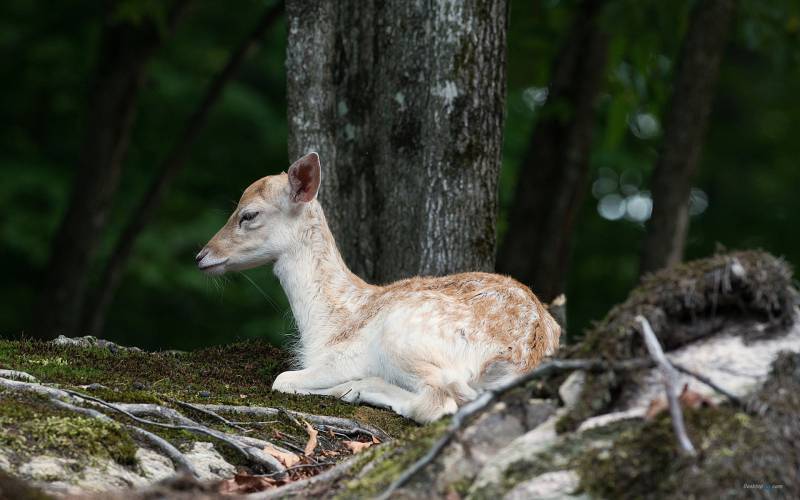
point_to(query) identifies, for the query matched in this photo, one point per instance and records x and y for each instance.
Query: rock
(726, 359)
(5, 465)
(154, 466)
(492, 478)
(109, 476)
(91, 341)
(45, 468)
(548, 486)
(18, 375)
(492, 431)
(570, 390)
(209, 463)
(204, 394)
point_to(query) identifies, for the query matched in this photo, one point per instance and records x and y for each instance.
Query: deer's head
(268, 220)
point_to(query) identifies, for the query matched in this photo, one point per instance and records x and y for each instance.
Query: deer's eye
(247, 216)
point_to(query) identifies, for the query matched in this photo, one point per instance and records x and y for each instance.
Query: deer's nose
(201, 255)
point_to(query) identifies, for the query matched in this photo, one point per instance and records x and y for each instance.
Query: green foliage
(748, 168)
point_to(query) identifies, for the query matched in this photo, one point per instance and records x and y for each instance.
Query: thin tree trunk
(404, 101)
(125, 50)
(684, 131)
(95, 310)
(553, 175)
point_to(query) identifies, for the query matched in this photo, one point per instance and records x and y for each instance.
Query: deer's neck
(323, 293)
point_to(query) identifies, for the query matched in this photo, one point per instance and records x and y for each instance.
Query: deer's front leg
(308, 381)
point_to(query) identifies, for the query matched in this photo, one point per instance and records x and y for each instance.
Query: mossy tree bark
(404, 101)
(684, 130)
(553, 175)
(125, 50)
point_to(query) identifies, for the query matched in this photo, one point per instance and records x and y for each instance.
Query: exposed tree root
(335, 424)
(251, 448)
(209, 413)
(57, 397)
(252, 454)
(182, 464)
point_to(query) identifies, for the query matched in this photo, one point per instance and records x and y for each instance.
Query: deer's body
(420, 346)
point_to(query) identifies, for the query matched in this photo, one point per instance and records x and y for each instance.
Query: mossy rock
(31, 426)
(739, 453)
(730, 291)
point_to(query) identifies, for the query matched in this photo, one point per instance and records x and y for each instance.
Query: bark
(125, 50)
(404, 101)
(553, 175)
(95, 311)
(684, 130)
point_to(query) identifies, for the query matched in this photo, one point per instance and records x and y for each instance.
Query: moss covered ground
(237, 374)
(240, 374)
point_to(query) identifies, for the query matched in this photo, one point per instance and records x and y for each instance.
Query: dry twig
(670, 377)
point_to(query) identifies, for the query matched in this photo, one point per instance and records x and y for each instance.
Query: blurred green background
(744, 197)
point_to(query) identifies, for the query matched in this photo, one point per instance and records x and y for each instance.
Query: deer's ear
(304, 178)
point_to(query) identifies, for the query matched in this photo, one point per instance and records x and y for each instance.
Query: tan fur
(494, 319)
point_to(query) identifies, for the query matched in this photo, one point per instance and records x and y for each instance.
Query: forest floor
(65, 449)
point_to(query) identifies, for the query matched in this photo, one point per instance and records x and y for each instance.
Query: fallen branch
(670, 376)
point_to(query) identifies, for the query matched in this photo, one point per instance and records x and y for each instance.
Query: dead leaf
(655, 408)
(312, 439)
(375, 439)
(287, 458)
(357, 446)
(694, 400)
(245, 483)
(687, 399)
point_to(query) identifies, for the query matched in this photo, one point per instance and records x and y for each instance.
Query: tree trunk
(553, 175)
(404, 101)
(684, 131)
(95, 310)
(125, 50)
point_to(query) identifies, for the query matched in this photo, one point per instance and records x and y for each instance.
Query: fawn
(421, 346)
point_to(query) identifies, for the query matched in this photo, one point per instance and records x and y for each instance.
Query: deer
(421, 347)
